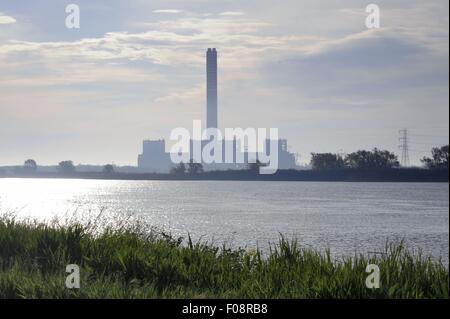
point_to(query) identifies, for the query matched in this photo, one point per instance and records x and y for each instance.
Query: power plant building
(154, 157)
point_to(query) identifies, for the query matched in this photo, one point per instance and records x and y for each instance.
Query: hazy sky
(135, 70)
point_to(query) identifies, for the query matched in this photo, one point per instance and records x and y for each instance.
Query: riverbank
(409, 175)
(133, 262)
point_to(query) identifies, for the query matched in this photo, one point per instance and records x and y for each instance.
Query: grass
(131, 262)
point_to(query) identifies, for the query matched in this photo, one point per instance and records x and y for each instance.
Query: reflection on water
(345, 217)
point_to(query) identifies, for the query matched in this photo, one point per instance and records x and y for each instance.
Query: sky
(135, 70)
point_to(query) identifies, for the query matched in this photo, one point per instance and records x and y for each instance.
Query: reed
(131, 262)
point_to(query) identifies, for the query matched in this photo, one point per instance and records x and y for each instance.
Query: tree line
(438, 159)
(375, 159)
(362, 159)
(64, 167)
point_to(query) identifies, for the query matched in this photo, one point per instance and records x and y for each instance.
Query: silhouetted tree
(108, 169)
(66, 167)
(179, 170)
(194, 168)
(439, 158)
(326, 161)
(30, 165)
(372, 159)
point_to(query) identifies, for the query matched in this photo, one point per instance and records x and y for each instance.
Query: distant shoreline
(414, 175)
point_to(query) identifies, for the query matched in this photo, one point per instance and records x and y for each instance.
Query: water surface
(345, 217)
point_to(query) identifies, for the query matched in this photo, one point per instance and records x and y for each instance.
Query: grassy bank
(131, 263)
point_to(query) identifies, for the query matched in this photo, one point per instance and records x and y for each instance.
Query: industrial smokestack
(211, 89)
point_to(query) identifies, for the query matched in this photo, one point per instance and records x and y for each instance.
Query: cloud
(246, 44)
(313, 70)
(170, 42)
(232, 13)
(169, 11)
(350, 11)
(4, 19)
(365, 70)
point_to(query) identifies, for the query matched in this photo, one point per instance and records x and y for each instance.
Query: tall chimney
(211, 89)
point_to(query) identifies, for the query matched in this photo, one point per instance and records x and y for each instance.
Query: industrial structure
(155, 158)
(404, 146)
(211, 89)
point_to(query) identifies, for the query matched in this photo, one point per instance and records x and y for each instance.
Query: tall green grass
(131, 262)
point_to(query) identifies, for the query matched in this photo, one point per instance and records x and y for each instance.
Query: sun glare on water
(44, 198)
